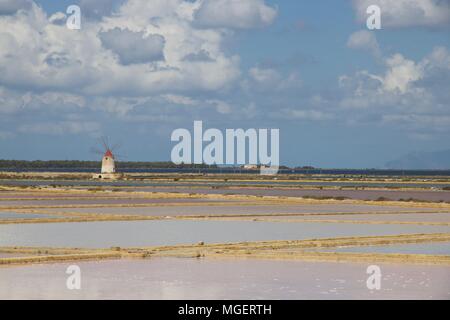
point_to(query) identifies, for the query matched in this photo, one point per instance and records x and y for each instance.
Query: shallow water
(219, 183)
(102, 201)
(404, 217)
(167, 232)
(352, 194)
(224, 279)
(428, 195)
(13, 216)
(438, 248)
(49, 194)
(233, 209)
(14, 255)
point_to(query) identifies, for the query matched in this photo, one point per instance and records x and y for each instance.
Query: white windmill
(108, 170)
(108, 163)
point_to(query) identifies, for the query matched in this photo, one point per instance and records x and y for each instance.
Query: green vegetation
(382, 199)
(325, 198)
(76, 164)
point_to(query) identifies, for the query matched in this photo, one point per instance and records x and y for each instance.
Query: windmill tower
(108, 163)
(108, 170)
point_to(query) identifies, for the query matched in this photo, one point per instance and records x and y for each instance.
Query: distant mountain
(422, 160)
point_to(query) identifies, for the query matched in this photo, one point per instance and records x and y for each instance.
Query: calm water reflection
(166, 232)
(223, 279)
(438, 248)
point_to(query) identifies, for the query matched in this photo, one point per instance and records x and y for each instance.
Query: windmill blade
(120, 157)
(116, 146)
(105, 143)
(96, 151)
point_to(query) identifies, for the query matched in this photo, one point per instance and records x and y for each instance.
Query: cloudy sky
(341, 95)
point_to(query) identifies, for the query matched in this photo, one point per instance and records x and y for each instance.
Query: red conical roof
(108, 153)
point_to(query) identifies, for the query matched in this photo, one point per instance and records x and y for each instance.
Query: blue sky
(341, 95)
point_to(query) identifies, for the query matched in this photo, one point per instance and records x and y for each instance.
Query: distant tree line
(71, 164)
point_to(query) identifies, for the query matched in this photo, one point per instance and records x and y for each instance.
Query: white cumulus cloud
(411, 94)
(133, 47)
(364, 40)
(235, 14)
(8, 7)
(407, 13)
(128, 53)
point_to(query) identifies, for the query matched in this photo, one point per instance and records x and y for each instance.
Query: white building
(108, 165)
